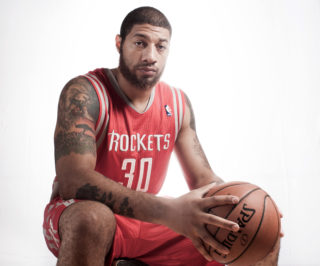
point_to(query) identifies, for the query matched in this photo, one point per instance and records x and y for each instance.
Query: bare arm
(191, 156)
(200, 179)
(75, 155)
(198, 172)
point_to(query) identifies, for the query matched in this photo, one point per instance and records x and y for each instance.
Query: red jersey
(134, 148)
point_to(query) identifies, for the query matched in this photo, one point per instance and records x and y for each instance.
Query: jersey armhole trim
(103, 120)
(181, 107)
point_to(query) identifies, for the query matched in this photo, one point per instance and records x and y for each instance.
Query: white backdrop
(251, 69)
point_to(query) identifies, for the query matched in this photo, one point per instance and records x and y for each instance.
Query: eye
(139, 44)
(161, 47)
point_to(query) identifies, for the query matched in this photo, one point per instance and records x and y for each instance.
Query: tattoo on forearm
(89, 192)
(192, 118)
(199, 151)
(125, 209)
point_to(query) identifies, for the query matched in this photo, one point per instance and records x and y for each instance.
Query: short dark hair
(143, 15)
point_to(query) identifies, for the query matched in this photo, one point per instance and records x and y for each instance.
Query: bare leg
(86, 230)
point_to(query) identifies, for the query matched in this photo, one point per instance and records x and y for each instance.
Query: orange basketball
(258, 218)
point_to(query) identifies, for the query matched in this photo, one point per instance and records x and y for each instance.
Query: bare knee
(86, 230)
(87, 219)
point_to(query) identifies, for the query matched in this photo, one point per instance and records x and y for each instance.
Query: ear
(118, 42)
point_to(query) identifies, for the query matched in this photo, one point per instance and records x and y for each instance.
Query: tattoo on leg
(90, 192)
(198, 149)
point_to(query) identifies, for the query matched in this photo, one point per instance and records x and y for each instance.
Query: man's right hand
(188, 216)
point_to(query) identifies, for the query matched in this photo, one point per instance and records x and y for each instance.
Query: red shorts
(151, 243)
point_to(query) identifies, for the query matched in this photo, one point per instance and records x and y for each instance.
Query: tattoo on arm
(196, 144)
(85, 128)
(125, 209)
(67, 142)
(90, 192)
(78, 112)
(192, 119)
(199, 151)
(78, 100)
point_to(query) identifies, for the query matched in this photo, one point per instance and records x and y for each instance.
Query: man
(116, 130)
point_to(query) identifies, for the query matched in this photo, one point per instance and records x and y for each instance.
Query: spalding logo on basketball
(259, 221)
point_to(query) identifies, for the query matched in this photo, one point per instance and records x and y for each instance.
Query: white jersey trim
(104, 107)
(180, 108)
(175, 108)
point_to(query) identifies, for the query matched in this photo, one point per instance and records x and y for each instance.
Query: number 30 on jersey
(129, 166)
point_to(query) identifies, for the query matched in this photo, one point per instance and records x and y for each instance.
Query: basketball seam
(232, 185)
(243, 197)
(261, 220)
(228, 214)
(277, 232)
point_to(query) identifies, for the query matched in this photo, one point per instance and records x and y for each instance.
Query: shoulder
(84, 83)
(78, 97)
(79, 82)
(78, 89)
(165, 86)
(179, 96)
(174, 91)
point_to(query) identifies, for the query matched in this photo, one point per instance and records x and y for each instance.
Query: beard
(144, 82)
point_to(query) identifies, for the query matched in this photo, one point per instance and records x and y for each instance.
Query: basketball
(258, 218)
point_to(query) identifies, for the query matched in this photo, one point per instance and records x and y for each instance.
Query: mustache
(146, 65)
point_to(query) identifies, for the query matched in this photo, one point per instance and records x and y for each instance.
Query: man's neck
(138, 97)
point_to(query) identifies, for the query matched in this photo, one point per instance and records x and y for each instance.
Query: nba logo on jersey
(168, 110)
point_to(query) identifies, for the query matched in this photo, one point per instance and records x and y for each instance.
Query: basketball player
(115, 132)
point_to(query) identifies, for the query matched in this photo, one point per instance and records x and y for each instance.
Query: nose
(149, 54)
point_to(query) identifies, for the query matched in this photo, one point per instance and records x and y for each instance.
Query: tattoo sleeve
(78, 111)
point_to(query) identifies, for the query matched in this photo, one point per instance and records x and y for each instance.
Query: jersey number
(145, 166)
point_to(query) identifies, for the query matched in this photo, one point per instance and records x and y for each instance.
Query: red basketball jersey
(134, 148)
